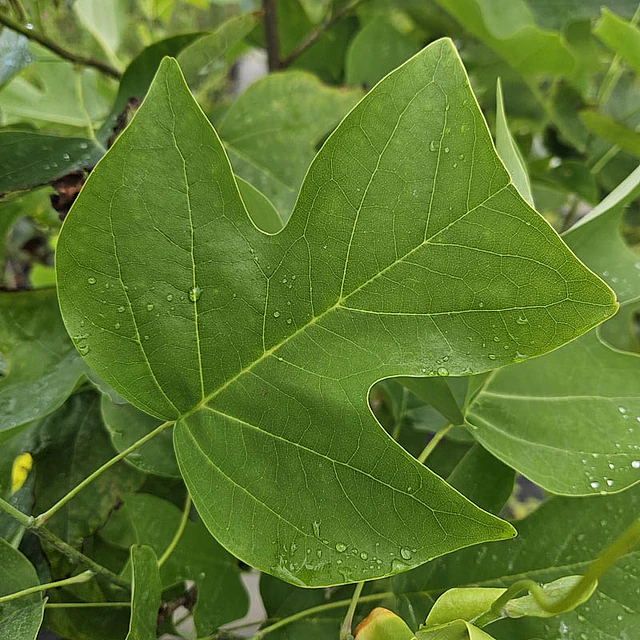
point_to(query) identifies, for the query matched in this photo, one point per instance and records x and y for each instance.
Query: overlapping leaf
(409, 253)
(41, 365)
(572, 433)
(145, 594)
(20, 619)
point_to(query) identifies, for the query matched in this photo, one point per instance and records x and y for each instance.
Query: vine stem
(28, 523)
(620, 547)
(81, 577)
(315, 35)
(339, 604)
(347, 624)
(271, 38)
(181, 527)
(433, 443)
(85, 605)
(40, 38)
(43, 517)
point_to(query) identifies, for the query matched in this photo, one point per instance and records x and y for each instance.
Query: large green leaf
(270, 138)
(41, 366)
(145, 519)
(573, 433)
(613, 132)
(387, 267)
(145, 594)
(20, 619)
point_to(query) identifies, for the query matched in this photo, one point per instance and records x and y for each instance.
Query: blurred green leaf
(20, 619)
(42, 367)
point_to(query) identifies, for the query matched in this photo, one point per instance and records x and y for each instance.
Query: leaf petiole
(85, 576)
(43, 517)
(181, 527)
(433, 443)
(345, 629)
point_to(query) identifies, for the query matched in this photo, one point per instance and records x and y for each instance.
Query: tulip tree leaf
(512, 33)
(20, 619)
(148, 520)
(377, 49)
(270, 145)
(612, 131)
(386, 268)
(620, 36)
(509, 152)
(126, 425)
(42, 367)
(573, 434)
(145, 594)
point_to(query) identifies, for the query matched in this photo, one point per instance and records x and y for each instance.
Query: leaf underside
(409, 252)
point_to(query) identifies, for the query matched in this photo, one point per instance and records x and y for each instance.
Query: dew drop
(364, 555)
(594, 485)
(149, 307)
(636, 464)
(442, 371)
(276, 314)
(491, 356)
(622, 410)
(66, 156)
(91, 280)
(341, 547)
(169, 297)
(195, 293)
(496, 339)
(446, 149)
(117, 325)
(121, 309)
(289, 320)
(405, 552)
(433, 146)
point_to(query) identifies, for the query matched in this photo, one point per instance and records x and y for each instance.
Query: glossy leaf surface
(261, 345)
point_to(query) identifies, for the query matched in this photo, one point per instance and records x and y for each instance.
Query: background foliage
(548, 444)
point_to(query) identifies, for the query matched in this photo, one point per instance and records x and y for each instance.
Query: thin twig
(315, 35)
(85, 576)
(433, 443)
(347, 623)
(181, 527)
(59, 50)
(43, 517)
(271, 39)
(72, 553)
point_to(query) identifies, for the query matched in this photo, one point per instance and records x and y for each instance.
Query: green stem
(85, 605)
(397, 428)
(57, 49)
(347, 624)
(271, 39)
(43, 517)
(433, 443)
(604, 160)
(73, 554)
(181, 527)
(319, 609)
(620, 547)
(81, 577)
(315, 35)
